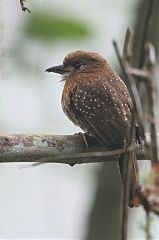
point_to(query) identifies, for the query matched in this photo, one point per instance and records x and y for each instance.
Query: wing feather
(102, 110)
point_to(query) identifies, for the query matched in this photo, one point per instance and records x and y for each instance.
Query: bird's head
(79, 62)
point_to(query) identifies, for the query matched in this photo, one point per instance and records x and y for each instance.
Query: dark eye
(77, 65)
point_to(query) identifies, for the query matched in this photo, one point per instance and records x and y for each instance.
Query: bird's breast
(67, 101)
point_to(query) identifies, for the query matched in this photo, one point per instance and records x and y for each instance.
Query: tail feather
(134, 182)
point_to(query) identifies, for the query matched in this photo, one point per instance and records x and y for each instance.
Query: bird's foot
(84, 137)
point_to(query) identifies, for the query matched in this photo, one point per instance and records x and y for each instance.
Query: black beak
(58, 69)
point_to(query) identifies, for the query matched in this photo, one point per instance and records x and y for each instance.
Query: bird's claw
(83, 135)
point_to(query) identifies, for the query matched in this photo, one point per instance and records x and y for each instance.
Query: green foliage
(48, 27)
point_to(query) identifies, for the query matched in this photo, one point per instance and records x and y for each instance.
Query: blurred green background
(56, 201)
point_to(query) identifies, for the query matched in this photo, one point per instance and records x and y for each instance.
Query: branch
(150, 60)
(23, 7)
(138, 73)
(146, 29)
(127, 164)
(68, 149)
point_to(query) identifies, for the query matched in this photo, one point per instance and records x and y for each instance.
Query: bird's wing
(104, 111)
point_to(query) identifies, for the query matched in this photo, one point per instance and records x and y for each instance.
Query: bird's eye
(77, 65)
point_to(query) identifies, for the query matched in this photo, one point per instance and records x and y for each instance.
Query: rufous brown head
(80, 62)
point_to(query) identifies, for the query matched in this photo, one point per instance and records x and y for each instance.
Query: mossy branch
(68, 149)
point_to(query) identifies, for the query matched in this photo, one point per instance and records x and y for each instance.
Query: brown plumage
(97, 100)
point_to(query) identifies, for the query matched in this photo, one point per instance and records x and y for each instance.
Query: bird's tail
(134, 181)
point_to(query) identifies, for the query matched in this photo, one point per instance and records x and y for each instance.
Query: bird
(97, 100)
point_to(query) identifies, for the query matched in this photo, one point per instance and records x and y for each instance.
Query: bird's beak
(58, 69)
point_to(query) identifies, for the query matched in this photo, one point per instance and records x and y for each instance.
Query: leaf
(48, 27)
